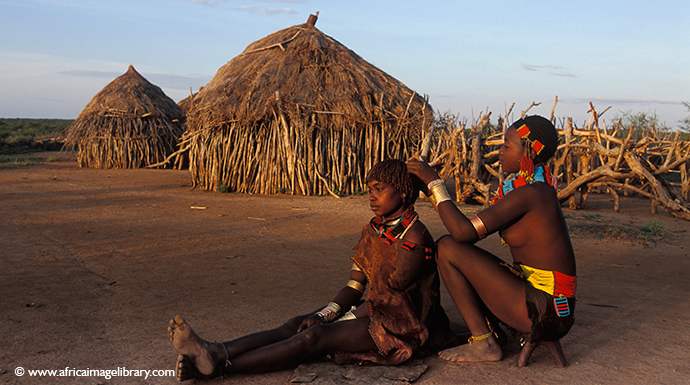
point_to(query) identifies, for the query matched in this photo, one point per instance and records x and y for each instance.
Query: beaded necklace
(541, 174)
(393, 230)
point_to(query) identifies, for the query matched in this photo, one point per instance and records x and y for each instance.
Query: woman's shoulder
(537, 188)
(419, 234)
(538, 192)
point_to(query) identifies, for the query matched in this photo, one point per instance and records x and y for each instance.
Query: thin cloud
(251, 8)
(283, 1)
(548, 69)
(91, 74)
(248, 8)
(206, 3)
(179, 82)
(625, 101)
(258, 10)
(62, 101)
(277, 11)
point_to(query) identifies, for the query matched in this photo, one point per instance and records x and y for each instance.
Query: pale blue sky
(55, 55)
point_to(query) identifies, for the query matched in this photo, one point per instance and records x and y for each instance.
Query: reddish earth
(93, 263)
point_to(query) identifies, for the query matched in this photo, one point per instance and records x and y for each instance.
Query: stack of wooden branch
(595, 158)
(612, 161)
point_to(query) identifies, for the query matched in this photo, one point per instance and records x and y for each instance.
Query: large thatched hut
(130, 123)
(299, 112)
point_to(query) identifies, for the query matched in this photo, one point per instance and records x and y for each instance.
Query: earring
(527, 168)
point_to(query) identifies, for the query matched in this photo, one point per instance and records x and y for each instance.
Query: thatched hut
(299, 112)
(187, 103)
(130, 123)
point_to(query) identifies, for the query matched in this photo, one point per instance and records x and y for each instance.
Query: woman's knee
(310, 340)
(293, 323)
(449, 249)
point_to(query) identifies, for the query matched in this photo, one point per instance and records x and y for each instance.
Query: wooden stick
(167, 160)
(522, 115)
(675, 207)
(426, 144)
(280, 45)
(572, 187)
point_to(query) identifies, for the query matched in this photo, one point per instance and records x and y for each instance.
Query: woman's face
(385, 200)
(511, 152)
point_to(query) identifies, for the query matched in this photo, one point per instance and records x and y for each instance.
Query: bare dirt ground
(93, 264)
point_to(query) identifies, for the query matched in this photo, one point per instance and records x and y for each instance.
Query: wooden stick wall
(595, 158)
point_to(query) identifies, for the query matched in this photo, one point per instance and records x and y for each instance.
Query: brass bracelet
(432, 199)
(356, 285)
(347, 316)
(330, 313)
(440, 194)
(434, 183)
(479, 226)
(355, 267)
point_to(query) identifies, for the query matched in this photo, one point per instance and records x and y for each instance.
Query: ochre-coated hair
(542, 129)
(394, 172)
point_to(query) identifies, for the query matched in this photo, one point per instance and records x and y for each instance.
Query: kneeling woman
(402, 312)
(535, 296)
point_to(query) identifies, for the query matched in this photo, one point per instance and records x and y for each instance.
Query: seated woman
(402, 312)
(536, 296)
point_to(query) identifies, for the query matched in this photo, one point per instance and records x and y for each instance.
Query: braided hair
(394, 172)
(542, 130)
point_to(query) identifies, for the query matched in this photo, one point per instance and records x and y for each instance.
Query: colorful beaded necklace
(541, 174)
(391, 231)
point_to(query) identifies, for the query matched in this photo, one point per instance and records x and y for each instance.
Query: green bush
(654, 228)
(19, 135)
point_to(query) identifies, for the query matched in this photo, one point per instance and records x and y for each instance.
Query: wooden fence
(618, 160)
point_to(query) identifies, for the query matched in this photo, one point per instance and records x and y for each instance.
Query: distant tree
(643, 123)
(685, 123)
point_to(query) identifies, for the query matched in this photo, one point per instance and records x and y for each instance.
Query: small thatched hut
(187, 103)
(130, 123)
(299, 112)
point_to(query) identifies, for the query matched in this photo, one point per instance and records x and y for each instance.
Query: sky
(467, 56)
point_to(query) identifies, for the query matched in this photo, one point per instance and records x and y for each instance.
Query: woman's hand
(424, 172)
(309, 322)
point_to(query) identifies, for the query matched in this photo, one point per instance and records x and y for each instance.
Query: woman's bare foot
(486, 350)
(204, 356)
(185, 370)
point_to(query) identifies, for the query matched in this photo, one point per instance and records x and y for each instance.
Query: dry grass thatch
(299, 112)
(130, 123)
(187, 103)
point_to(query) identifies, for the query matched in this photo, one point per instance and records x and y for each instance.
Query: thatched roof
(187, 103)
(129, 123)
(307, 68)
(298, 111)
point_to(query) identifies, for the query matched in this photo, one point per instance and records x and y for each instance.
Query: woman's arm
(350, 295)
(506, 211)
(347, 297)
(459, 227)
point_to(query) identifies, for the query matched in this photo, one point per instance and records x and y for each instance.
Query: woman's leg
(474, 278)
(319, 340)
(199, 358)
(263, 338)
